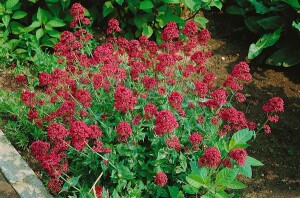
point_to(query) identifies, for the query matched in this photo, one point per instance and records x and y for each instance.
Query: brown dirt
(279, 151)
(6, 190)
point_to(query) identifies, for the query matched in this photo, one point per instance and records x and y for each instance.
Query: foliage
(139, 116)
(277, 22)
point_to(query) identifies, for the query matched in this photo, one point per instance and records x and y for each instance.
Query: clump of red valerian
(136, 111)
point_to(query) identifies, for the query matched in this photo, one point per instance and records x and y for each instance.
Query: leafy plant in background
(279, 24)
(133, 118)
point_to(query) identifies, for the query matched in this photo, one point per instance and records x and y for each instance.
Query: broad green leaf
(13, 43)
(171, 1)
(43, 15)
(17, 28)
(226, 175)
(189, 189)
(294, 3)
(218, 4)
(296, 25)
(202, 21)
(260, 8)
(240, 138)
(145, 5)
(115, 194)
(253, 162)
(191, 4)
(53, 33)
(235, 10)
(19, 15)
(196, 181)
(73, 181)
(286, 57)
(56, 23)
(147, 31)
(10, 4)
(6, 19)
(174, 191)
(235, 184)
(120, 2)
(265, 41)
(246, 170)
(134, 5)
(271, 23)
(197, 170)
(251, 24)
(39, 33)
(107, 8)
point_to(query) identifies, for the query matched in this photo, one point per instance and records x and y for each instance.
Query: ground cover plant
(131, 118)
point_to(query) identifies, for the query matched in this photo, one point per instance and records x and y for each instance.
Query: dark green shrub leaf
(191, 4)
(171, 1)
(174, 191)
(251, 24)
(240, 138)
(271, 23)
(70, 183)
(39, 33)
(294, 3)
(56, 23)
(286, 57)
(253, 162)
(53, 33)
(246, 170)
(10, 4)
(145, 5)
(235, 184)
(42, 15)
(6, 19)
(201, 21)
(189, 189)
(260, 8)
(107, 8)
(120, 2)
(226, 175)
(19, 15)
(147, 31)
(266, 40)
(235, 10)
(17, 28)
(196, 181)
(296, 25)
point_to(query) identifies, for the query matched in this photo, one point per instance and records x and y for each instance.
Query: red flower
(113, 26)
(173, 142)
(39, 149)
(190, 28)
(55, 185)
(199, 57)
(175, 99)
(95, 132)
(195, 138)
(84, 97)
(239, 155)
(267, 129)
(227, 163)
(136, 119)
(32, 114)
(204, 35)
(273, 118)
(211, 158)
(170, 32)
(162, 90)
(124, 99)
(201, 88)
(44, 78)
(57, 131)
(165, 122)
(275, 104)
(239, 97)
(161, 179)
(99, 190)
(150, 111)
(124, 131)
(148, 82)
(27, 97)
(22, 79)
(241, 71)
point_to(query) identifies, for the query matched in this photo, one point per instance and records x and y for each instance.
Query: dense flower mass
(165, 122)
(175, 99)
(124, 99)
(173, 142)
(124, 131)
(275, 104)
(239, 155)
(161, 179)
(211, 158)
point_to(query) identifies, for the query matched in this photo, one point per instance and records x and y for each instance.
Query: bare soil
(280, 150)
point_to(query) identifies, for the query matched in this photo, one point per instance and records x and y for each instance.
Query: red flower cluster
(113, 26)
(195, 138)
(57, 131)
(239, 155)
(161, 179)
(170, 32)
(165, 122)
(124, 99)
(22, 79)
(275, 104)
(124, 131)
(211, 158)
(203, 37)
(234, 118)
(190, 28)
(173, 142)
(150, 111)
(77, 11)
(84, 97)
(175, 99)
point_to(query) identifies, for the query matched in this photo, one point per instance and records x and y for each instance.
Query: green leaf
(260, 8)
(42, 15)
(251, 24)
(202, 21)
(56, 23)
(53, 33)
(235, 184)
(196, 181)
(171, 1)
(115, 194)
(189, 189)
(39, 33)
(271, 23)
(191, 4)
(253, 162)
(147, 4)
(246, 170)
(17, 28)
(147, 31)
(226, 175)
(107, 8)
(6, 20)
(240, 138)
(19, 15)
(235, 10)
(174, 191)
(294, 3)
(296, 25)
(286, 57)
(120, 2)
(10, 4)
(265, 41)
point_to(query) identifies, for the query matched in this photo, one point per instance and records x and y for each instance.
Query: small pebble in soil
(223, 58)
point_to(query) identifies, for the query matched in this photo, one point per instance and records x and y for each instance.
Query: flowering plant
(131, 118)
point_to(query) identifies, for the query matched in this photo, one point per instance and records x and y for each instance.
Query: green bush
(277, 23)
